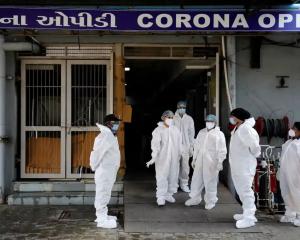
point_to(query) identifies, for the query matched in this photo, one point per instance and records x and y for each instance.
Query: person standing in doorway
(185, 124)
(209, 153)
(166, 151)
(290, 176)
(105, 161)
(243, 151)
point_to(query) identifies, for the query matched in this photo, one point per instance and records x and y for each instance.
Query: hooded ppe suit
(166, 151)
(290, 177)
(244, 149)
(209, 151)
(186, 126)
(105, 161)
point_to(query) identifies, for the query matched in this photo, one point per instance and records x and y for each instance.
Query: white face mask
(292, 133)
(169, 121)
(232, 121)
(181, 111)
(210, 125)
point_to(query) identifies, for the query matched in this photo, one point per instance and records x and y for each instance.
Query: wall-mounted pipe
(4, 47)
(2, 119)
(21, 46)
(226, 73)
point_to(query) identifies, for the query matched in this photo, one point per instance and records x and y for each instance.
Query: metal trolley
(265, 184)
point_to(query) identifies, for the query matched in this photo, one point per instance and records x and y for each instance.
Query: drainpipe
(4, 139)
(226, 74)
(21, 46)
(2, 119)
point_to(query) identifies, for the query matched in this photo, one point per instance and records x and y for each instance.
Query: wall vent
(76, 51)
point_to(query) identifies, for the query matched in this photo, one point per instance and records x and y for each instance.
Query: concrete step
(60, 193)
(60, 186)
(59, 198)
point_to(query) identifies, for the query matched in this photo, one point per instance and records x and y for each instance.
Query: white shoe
(192, 202)
(245, 223)
(287, 219)
(209, 206)
(108, 218)
(170, 199)
(185, 189)
(238, 217)
(107, 224)
(297, 222)
(161, 202)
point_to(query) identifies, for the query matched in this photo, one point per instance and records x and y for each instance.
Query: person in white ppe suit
(243, 151)
(185, 124)
(166, 152)
(105, 161)
(290, 176)
(209, 153)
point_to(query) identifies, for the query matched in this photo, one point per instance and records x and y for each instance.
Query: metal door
(89, 99)
(43, 119)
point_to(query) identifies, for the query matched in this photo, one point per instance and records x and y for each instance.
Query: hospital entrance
(156, 78)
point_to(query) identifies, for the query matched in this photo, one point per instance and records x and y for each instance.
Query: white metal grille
(88, 94)
(56, 51)
(43, 94)
(76, 51)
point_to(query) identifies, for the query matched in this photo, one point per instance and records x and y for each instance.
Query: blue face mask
(115, 128)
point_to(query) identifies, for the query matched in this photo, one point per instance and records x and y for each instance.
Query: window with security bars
(43, 95)
(88, 94)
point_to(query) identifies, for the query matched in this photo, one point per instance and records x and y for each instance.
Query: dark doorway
(153, 86)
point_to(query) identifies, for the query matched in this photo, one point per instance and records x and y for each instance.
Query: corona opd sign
(151, 20)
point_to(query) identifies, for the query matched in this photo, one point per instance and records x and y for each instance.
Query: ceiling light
(296, 4)
(197, 67)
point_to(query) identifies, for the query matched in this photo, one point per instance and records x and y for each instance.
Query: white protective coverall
(244, 149)
(186, 126)
(166, 151)
(105, 161)
(290, 177)
(209, 150)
